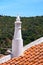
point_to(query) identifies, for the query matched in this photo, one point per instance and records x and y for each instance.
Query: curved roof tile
(32, 56)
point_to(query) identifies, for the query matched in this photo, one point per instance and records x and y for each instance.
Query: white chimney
(17, 42)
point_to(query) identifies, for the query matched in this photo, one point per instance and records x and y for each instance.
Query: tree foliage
(32, 29)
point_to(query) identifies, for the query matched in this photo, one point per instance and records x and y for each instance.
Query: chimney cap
(18, 18)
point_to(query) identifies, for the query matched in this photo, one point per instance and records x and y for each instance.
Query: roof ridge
(38, 41)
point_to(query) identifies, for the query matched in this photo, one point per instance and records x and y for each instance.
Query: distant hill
(32, 29)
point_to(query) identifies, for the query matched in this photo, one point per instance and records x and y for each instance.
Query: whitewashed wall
(5, 58)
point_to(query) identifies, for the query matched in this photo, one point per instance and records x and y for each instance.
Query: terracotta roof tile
(32, 56)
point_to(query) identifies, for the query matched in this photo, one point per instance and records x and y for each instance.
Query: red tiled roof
(32, 56)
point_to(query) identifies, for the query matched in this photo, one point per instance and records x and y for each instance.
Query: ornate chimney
(17, 42)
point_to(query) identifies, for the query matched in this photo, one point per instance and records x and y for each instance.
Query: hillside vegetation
(32, 29)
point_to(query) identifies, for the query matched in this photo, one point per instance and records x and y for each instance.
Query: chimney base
(17, 47)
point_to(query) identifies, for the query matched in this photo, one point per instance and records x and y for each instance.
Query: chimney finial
(18, 18)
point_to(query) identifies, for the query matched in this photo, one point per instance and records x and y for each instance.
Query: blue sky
(21, 7)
